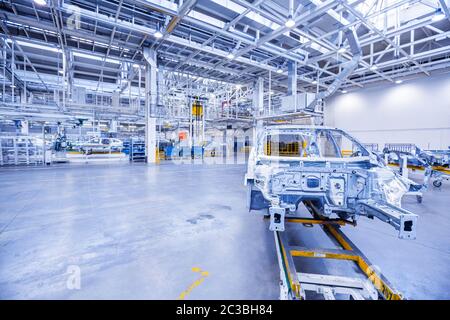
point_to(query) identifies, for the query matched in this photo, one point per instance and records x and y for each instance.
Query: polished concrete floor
(125, 231)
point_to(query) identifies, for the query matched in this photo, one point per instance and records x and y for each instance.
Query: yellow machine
(197, 109)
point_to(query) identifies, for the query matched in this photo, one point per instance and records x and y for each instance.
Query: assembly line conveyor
(294, 285)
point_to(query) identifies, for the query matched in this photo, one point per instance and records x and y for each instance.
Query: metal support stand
(294, 285)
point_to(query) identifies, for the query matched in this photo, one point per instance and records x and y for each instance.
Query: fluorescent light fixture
(230, 56)
(373, 67)
(238, 86)
(61, 71)
(37, 46)
(94, 57)
(279, 70)
(289, 23)
(158, 34)
(314, 82)
(40, 2)
(97, 43)
(438, 15)
(344, 91)
(398, 81)
(12, 86)
(341, 50)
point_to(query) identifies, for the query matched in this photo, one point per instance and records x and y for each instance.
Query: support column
(292, 82)
(13, 70)
(25, 129)
(258, 107)
(64, 82)
(258, 97)
(150, 104)
(225, 145)
(160, 86)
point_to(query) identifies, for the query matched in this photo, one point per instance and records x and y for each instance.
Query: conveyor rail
(294, 284)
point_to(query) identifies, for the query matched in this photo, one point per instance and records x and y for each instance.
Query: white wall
(412, 112)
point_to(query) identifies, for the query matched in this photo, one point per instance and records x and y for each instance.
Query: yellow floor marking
(196, 283)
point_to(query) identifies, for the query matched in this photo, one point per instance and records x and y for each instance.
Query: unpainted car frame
(346, 187)
(432, 161)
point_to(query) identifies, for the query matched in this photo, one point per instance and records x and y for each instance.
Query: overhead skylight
(388, 13)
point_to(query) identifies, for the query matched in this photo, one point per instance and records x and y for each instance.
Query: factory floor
(121, 231)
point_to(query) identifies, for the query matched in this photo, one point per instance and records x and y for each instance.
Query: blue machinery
(177, 152)
(171, 152)
(137, 150)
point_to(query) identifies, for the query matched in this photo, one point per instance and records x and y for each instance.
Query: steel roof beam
(445, 9)
(6, 32)
(374, 29)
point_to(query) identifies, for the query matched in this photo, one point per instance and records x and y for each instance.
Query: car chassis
(346, 187)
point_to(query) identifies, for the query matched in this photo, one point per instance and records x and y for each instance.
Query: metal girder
(378, 32)
(73, 33)
(171, 38)
(116, 17)
(355, 48)
(163, 6)
(298, 20)
(183, 10)
(197, 37)
(5, 30)
(445, 9)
